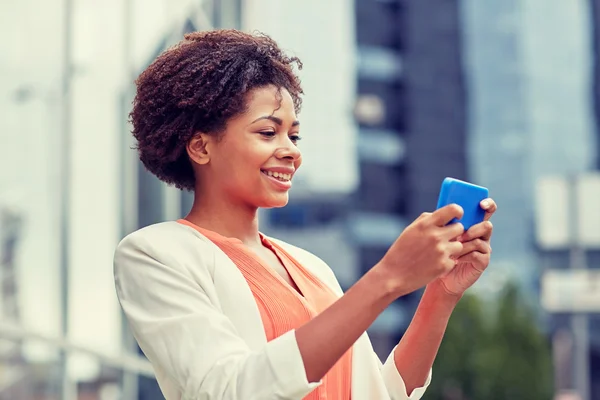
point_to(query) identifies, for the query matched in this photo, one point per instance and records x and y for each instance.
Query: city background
(399, 95)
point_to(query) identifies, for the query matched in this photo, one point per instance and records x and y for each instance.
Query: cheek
(242, 169)
(238, 158)
(242, 172)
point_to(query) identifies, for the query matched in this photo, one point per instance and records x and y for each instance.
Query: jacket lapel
(236, 299)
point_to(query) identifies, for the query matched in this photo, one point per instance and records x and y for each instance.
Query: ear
(198, 149)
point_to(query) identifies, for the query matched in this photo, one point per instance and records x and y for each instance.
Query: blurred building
(593, 255)
(500, 144)
(529, 112)
(67, 98)
(595, 19)
(474, 91)
(145, 200)
(411, 112)
(531, 115)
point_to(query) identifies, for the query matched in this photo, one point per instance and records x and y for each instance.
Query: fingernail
(485, 203)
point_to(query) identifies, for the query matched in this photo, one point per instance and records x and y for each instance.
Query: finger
(423, 216)
(452, 231)
(480, 260)
(490, 207)
(482, 230)
(443, 215)
(448, 265)
(476, 245)
(455, 249)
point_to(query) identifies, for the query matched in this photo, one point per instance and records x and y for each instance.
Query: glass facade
(500, 141)
(410, 111)
(532, 117)
(530, 114)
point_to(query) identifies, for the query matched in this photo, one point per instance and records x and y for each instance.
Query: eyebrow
(278, 121)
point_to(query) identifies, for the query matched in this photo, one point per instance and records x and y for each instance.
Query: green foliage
(493, 354)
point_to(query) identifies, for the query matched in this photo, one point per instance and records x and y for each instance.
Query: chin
(277, 201)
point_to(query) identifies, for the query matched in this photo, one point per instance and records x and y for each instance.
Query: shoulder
(311, 262)
(167, 237)
(169, 243)
(163, 232)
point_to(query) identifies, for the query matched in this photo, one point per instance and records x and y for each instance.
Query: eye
(267, 133)
(295, 138)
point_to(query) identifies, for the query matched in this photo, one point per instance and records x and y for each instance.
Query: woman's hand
(474, 257)
(418, 348)
(426, 250)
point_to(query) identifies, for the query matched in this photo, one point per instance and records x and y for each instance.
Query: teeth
(279, 175)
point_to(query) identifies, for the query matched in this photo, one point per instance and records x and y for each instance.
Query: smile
(278, 175)
(281, 181)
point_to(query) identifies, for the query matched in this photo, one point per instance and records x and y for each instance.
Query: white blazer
(195, 318)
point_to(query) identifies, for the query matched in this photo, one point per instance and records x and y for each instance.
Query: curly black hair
(197, 86)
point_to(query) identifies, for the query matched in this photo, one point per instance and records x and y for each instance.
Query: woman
(224, 312)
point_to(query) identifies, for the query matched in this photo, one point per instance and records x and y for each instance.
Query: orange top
(281, 307)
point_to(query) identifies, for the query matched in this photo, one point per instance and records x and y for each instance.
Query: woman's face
(254, 161)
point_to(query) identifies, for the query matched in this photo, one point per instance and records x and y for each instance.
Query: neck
(226, 218)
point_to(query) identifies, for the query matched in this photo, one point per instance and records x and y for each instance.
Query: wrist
(437, 295)
(388, 288)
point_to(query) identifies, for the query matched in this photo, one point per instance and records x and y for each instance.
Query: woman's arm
(324, 339)
(416, 352)
(421, 253)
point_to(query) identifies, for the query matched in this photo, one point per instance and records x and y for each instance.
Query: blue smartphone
(466, 195)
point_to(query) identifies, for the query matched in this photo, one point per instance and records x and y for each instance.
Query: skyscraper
(411, 113)
(530, 116)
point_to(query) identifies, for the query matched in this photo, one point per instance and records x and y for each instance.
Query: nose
(289, 151)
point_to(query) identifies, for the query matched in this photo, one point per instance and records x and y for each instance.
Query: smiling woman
(198, 86)
(224, 312)
(255, 156)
